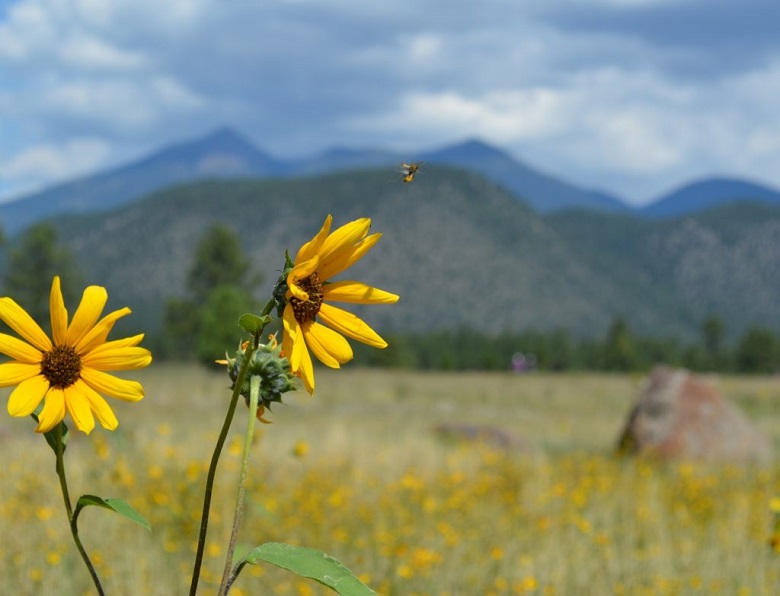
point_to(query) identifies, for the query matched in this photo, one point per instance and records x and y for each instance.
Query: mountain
(227, 154)
(460, 250)
(222, 154)
(707, 193)
(543, 192)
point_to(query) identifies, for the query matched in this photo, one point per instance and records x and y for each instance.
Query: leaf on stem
(51, 436)
(119, 506)
(253, 324)
(310, 563)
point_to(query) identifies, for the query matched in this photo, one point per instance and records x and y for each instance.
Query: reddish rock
(682, 415)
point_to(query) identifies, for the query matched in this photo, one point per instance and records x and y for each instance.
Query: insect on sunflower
(67, 372)
(309, 293)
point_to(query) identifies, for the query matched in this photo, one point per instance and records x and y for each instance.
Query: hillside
(459, 250)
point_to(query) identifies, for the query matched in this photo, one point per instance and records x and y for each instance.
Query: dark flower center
(306, 310)
(61, 366)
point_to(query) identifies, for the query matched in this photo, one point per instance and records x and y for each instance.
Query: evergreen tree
(219, 272)
(31, 267)
(219, 261)
(757, 351)
(619, 347)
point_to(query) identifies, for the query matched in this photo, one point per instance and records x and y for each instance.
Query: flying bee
(408, 170)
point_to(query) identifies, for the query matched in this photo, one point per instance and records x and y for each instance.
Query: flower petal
(344, 238)
(117, 358)
(53, 410)
(101, 409)
(19, 350)
(59, 315)
(306, 370)
(329, 347)
(312, 247)
(93, 300)
(298, 273)
(114, 386)
(350, 325)
(27, 396)
(291, 337)
(17, 319)
(77, 405)
(98, 334)
(357, 293)
(13, 373)
(345, 259)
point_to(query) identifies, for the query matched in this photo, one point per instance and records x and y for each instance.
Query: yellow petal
(329, 347)
(101, 409)
(92, 302)
(19, 350)
(312, 247)
(53, 410)
(345, 259)
(98, 334)
(300, 272)
(344, 238)
(350, 325)
(117, 358)
(306, 370)
(13, 373)
(59, 315)
(110, 385)
(78, 406)
(17, 319)
(357, 293)
(291, 337)
(27, 396)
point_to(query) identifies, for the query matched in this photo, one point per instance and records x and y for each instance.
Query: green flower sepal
(270, 367)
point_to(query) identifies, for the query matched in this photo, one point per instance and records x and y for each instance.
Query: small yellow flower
(67, 374)
(308, 294)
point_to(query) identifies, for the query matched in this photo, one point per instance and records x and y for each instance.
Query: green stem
(204, 519)
(69, 509)
(254, 397)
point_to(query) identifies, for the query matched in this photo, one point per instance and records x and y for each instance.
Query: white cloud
(47, 161)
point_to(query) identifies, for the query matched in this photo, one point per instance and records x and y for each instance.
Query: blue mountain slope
(543, 192)
(708, 193)
(222, 154)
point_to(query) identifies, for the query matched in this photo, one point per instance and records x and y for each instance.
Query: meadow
(360, 472)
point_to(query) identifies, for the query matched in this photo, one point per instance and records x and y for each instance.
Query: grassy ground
(360, 472)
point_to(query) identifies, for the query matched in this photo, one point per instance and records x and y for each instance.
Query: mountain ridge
(225, 153)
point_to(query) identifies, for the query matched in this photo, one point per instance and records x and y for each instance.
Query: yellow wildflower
(309, 292)
(66, 372)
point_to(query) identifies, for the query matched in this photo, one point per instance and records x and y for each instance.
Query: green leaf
(119, 506)
(51, 436)
(253, 324)
(310, 563)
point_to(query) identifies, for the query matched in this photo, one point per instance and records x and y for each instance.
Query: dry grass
(382, 492)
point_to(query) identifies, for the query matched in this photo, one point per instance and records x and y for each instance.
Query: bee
(408, 170)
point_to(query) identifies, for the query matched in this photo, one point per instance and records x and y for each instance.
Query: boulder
(683, 415)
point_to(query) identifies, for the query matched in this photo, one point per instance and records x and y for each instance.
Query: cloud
(630, 95)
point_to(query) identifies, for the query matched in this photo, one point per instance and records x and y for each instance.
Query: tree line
(220, 287)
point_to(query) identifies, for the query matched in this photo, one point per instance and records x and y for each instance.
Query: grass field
(359, 472)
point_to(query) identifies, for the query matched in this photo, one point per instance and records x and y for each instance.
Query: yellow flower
(308, 294)
(68, 372)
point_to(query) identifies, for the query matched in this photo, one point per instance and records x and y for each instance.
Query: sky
(633, 97)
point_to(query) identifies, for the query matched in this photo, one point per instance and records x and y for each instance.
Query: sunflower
(309, 293)
(67, 371)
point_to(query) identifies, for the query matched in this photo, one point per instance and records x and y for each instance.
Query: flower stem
(69, 509)
(204, 519)
(254, 397)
